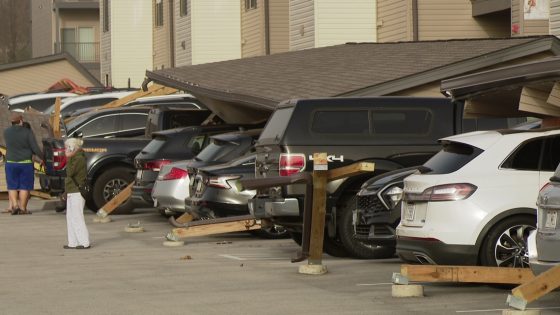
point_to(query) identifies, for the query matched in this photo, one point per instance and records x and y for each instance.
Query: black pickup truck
(111, 143)
(392, 132)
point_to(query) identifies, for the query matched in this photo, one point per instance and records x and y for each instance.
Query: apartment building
(70, 26)
(126, 41)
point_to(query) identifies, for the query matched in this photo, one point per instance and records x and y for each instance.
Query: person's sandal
(82, 247)
(25, 212)
(68, 247)
(16, 211)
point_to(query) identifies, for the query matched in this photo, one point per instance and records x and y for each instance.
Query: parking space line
(502, 309)
(232, 257)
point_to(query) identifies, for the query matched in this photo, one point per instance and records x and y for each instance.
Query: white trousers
(77, 230)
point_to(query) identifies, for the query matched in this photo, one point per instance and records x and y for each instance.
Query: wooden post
(184, 218)
(213, 228)
(538, 286)
(56, 119)
(470, 274)
(115, 202)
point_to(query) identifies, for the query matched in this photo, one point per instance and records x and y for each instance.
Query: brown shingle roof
(341, 70)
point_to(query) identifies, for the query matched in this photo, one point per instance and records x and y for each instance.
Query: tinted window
(277, 124)
(155, 145)
(451, 158)
(133, 121)
(197, 143)
(526, 157)
(216, 150)
(551, 154)
(402, 121)
(101, 101)
(184, 118)
(76, 105)
(340, 122)
(39, 105)
(99, 126)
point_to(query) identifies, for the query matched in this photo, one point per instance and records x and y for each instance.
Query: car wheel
(506, 243)
(109, 184)
(355, 247)
(271, 232)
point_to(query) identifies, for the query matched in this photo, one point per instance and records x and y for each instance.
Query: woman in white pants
(78, 235)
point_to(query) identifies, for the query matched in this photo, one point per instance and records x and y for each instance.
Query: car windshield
(451, 158)
(217, 150)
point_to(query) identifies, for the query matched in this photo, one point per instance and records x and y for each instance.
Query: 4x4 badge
(330, 158)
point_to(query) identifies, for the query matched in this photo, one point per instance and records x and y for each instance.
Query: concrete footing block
(173, 243)
(134, 229)
(312, 269)
(519, 312)
(102, 219)
(407, 290)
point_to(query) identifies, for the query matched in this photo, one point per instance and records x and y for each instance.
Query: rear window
(217, 151)
(451, 158)
(155, 145)
(277, 124)
(341, 122)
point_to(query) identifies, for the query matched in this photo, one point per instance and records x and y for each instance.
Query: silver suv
(544, 244)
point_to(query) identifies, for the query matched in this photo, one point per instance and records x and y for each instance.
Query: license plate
(139, 174)
(409, 212)
(550, 219)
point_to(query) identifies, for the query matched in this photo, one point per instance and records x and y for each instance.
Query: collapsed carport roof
(241, 88)
(530, 88)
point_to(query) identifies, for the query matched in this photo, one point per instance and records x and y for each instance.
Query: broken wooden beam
(538, 286)
(115, 202)
(213, 228)
(468, 274)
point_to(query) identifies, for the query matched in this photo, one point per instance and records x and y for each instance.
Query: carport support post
(314, 262)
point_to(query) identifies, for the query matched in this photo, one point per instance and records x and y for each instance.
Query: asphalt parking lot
(132, 273)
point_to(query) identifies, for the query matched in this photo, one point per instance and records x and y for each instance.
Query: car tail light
(291, 163)
(221, 181)
(59, 159)
(175, 173)
(154, 165)
(448, 192)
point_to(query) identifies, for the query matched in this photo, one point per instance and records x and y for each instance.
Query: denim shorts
(20, 176)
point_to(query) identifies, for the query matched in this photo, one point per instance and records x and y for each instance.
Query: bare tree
(15, 37)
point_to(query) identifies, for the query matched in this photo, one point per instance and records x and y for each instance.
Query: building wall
(183, 47)
(39, 77)
(339, 22)
(393, 20)
(42, 28)
(131, 41)
(105, 47)
(161, 37)
(554, 25)
(252, 30)
(279, 26)
(216, 31)
(302, 24)
(443, 19)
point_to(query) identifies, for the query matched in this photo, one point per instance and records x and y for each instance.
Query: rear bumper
(429, 251)
(201, 208)
(171, 194)
(265, 208)
(142, 193)
(537, 266)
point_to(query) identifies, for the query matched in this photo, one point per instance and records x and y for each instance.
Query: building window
(184, 7)
(159, 13)
(250, 4)
(105, 15)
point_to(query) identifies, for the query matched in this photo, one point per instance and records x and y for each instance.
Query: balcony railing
(83, 52)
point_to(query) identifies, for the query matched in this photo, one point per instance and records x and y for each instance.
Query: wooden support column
(320, 168)
(213, 228)
(56, 119)
(115, 202)
(470, 274)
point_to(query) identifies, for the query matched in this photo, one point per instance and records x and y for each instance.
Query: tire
(506, 242)
(357, 248)
(330, 246)
(109, 184)
(273, 232)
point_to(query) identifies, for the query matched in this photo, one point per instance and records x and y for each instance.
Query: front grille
(370, 204)
(383, 230)
(362, 230)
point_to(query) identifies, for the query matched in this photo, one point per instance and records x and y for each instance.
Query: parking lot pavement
(132, 273)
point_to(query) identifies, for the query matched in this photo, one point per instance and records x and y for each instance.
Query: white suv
(474, 202)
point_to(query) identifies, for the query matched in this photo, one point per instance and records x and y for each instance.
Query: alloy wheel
(510, 249)
(113, 188)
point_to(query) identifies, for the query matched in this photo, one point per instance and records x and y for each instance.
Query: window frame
(105, 15)
(250, 5)
(183, 7)
(158, 13)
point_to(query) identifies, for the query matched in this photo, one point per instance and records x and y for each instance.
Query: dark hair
(26, 125)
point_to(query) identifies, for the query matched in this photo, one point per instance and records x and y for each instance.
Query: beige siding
(39, 77)
(183, 48)
(338, 22)
(516, 18)
(302, 24)
(393, 21)
(443, 19)
(161, 38)
(252, 30)
(279, 26)
(554, 25)
(42, 28)
(527, 27)
(105, 47)
(131, 43)
(216, 30)
(535, 27)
